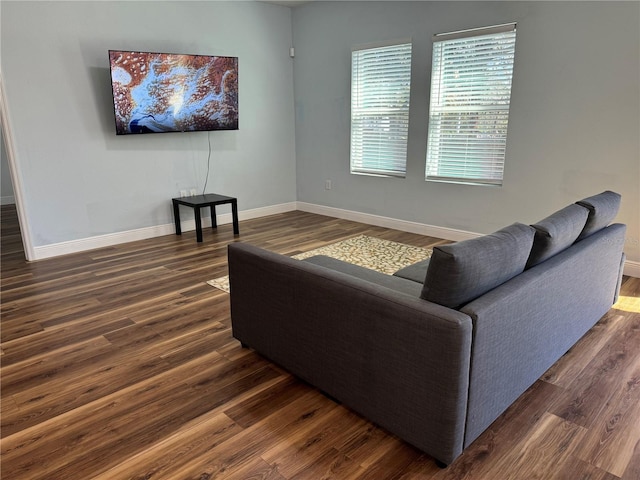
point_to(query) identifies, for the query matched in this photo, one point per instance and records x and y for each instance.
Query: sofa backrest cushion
(557, 232)
(603, 208)
(462, 271)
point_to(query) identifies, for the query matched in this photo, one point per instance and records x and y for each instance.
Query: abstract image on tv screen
(162, 92)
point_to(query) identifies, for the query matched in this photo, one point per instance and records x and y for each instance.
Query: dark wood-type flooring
(119, 363)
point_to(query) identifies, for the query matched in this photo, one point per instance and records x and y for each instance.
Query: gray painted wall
(80, 179)
(6, 187)
(574, 120)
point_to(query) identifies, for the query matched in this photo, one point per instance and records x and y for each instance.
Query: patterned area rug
(381, 255)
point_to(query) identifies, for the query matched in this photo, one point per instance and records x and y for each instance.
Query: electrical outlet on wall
(183, 193)
(327, 184)
(194, 192)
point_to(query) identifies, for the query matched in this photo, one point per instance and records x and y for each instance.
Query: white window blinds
(380, 87)
(469, 109)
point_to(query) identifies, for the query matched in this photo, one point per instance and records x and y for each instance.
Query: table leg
(198, 224)
(234, 214)
(176, 217)
(214, 220)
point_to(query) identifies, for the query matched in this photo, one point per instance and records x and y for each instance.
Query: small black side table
(208, 200)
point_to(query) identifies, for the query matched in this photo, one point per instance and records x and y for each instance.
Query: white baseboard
(100, 241)
(631, 269)
(387, 222)
(8, 200)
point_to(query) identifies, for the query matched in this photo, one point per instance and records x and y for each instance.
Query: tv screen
(165, 92)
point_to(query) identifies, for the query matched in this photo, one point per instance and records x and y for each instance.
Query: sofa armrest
(396, 283)
(400, 361)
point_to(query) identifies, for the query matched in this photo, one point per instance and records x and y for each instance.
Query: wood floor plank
(396, 461)
(568, 469)
(592, 390)
(226, 459)
(184, 449)
(95, 381)
(310, 448)
(632, 472)
(18, 350)
(533, 456)
(267, 402)
(120, 363)
(125, 422)
(21, 376)
(616, 429)
(175, 452)
(368, 446)
(256, 469)
(328, 465)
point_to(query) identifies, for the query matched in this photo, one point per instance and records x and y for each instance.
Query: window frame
(474, 150)
(380, 149)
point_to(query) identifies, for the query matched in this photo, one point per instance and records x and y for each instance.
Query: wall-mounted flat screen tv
(165, 92)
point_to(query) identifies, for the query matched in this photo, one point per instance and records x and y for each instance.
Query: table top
(206, 199)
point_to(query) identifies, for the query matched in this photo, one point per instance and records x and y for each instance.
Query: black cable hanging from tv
(206, 180)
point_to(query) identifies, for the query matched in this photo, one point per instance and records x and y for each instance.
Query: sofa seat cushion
(556, 233)
(416, 272)
(603, 208)
(395, 283)
(462, 271)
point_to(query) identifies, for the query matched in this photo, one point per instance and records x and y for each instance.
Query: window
(380, 85)
(469, 109)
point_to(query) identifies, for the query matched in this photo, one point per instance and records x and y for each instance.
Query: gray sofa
(436, 352)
